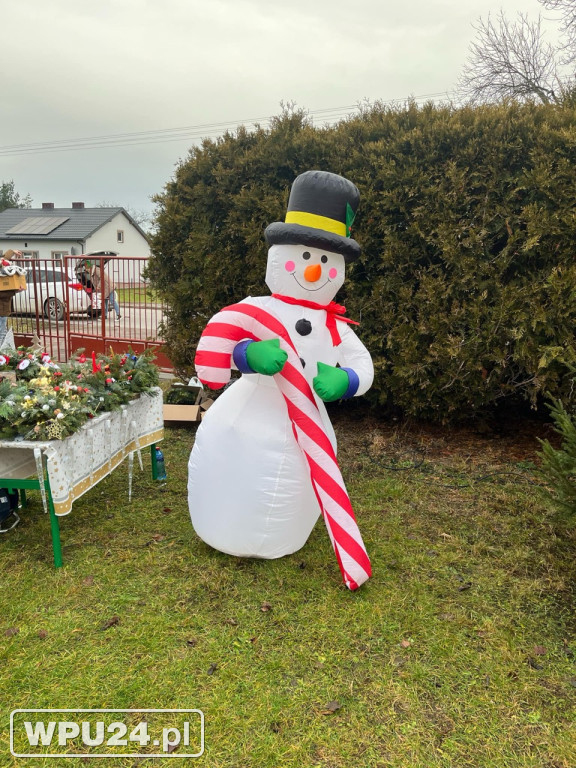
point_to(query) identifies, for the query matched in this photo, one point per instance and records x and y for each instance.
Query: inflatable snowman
(250, 488)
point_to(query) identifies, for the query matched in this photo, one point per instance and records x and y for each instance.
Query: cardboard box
(181, 412)
(188, 413)
(12, 282)
(6, 303)
(184, 394)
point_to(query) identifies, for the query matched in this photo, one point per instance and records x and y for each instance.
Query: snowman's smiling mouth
(310, 289)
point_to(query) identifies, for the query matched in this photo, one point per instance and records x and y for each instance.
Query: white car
(48, 292)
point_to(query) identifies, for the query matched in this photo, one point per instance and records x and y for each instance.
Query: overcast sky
(75, 69)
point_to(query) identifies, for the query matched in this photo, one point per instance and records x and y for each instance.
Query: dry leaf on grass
(111, 622)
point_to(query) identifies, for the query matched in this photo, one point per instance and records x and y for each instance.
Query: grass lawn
(137, 294)
(459, 652)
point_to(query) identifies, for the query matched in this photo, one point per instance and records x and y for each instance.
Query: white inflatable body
(249, 486)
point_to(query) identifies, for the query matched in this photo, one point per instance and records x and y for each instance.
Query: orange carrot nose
(312, 273)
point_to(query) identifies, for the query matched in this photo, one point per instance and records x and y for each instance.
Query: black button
(303, 362)
(304, 327)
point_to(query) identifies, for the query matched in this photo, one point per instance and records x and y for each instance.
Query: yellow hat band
(316, 222)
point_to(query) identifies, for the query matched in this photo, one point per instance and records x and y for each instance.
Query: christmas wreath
(43, 400)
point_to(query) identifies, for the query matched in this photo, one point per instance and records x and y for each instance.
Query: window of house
(120, 235)
(30, 254)
(59, 254)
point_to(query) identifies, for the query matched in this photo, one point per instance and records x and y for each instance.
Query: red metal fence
(71, 303)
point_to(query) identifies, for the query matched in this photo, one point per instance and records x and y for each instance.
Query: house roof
(70, 223)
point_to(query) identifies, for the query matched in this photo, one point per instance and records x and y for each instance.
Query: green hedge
(466, 285)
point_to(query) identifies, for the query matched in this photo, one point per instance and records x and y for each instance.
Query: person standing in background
(104, 285)
(85, 275)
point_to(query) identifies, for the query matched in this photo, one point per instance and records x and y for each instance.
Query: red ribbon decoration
(333, 312)
(95, 366)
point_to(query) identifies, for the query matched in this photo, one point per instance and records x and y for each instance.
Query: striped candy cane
(213, 366)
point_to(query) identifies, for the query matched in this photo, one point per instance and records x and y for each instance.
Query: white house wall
(105, 239)
(134, 245)
(44, 248)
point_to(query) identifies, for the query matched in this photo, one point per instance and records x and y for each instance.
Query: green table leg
(154, 462)
(55, 526)
(23, 499)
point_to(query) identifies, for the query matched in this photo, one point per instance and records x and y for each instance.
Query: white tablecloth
(80, 461)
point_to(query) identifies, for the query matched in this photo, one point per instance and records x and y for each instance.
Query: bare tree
(567, 9)
(510, 60)
(141, 217)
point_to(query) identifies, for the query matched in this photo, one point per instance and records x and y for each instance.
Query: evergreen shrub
(466, 285)
(559, 464)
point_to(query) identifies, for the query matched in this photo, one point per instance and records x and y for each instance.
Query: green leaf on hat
(350, 216)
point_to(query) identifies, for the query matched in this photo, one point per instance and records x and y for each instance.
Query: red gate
(71, 304)
(40, 311)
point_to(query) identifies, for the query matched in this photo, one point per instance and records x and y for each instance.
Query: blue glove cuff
(353, 383)
(239, 356)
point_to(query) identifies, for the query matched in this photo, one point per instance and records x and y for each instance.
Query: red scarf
(333, 312)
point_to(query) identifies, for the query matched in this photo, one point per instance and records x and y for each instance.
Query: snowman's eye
(306, 255)
(324, 259)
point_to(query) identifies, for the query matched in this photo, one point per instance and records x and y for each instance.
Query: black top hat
(321, 209)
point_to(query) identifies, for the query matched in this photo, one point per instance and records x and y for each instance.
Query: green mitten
(266, 357)
(331, 382)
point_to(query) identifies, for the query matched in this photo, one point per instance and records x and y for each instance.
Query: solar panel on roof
(37, 225)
